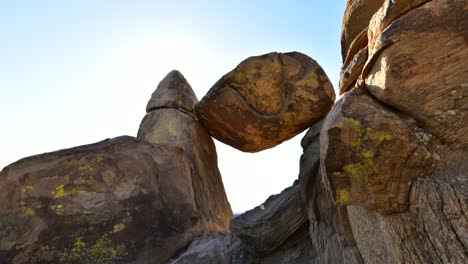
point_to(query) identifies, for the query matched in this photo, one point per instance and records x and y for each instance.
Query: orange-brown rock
(266, 100)
(419, 64)
(369, 154)
(356, 19)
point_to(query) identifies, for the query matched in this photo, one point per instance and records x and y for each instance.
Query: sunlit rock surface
(266, 100)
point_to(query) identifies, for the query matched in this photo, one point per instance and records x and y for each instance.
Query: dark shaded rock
(297, 249)
(266, 227)
(216, 248)
(173, 92)
(266, 100)
(170, 126)
(118, 200)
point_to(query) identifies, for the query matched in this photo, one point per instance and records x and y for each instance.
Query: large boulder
(266, 100)
(119, 200)
(173, 123)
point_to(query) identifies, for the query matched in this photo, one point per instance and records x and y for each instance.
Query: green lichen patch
(101, 250)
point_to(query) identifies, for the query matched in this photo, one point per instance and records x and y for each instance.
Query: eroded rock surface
(267, 226)
(266, 100)
(124, 200)
(393, 149)
(330, 234)
(274, 232)
(114, 201)
(170, 125)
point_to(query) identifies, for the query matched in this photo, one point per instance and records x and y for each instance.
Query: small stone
(451, 112)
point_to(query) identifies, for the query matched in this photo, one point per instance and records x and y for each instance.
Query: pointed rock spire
(173, 92)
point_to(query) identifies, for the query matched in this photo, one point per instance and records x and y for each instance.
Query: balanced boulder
(266, 100)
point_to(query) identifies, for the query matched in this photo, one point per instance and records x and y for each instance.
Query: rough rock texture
(173, 92)
(123, 200)
(98, 204)
(331, 236)
(394, 148)
(174, 127)
(266, 100)
(216, 248)
(355, 20)
(419, 64)
(359, 157)
(275, 232)
(267, 226)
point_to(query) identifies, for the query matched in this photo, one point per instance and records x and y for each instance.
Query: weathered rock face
(171, 126)
(115, 201)
(393, 149)
(419, 64)
(356, 19)
(267, 226)
(330, 234)
(275, 232)
(219, 248)
(266, 100)
(123, 200)
(359, 156)
(173, 92)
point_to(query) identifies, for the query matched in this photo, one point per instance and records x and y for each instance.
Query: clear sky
(77, 72)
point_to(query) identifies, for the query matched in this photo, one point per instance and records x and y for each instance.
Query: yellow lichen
(58, 209)
(359, 172)
(378, 136)
(86, 168)
(60, 191)
(102, 250)
(26, 189)
(119, 227)
(342, 196)
(29, 212)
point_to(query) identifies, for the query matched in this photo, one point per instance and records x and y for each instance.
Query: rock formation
(123, 200)
(171, 120)
(383, 176)
(266, 100)
(393, 149)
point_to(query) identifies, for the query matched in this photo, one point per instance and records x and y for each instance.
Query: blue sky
(76, 72)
